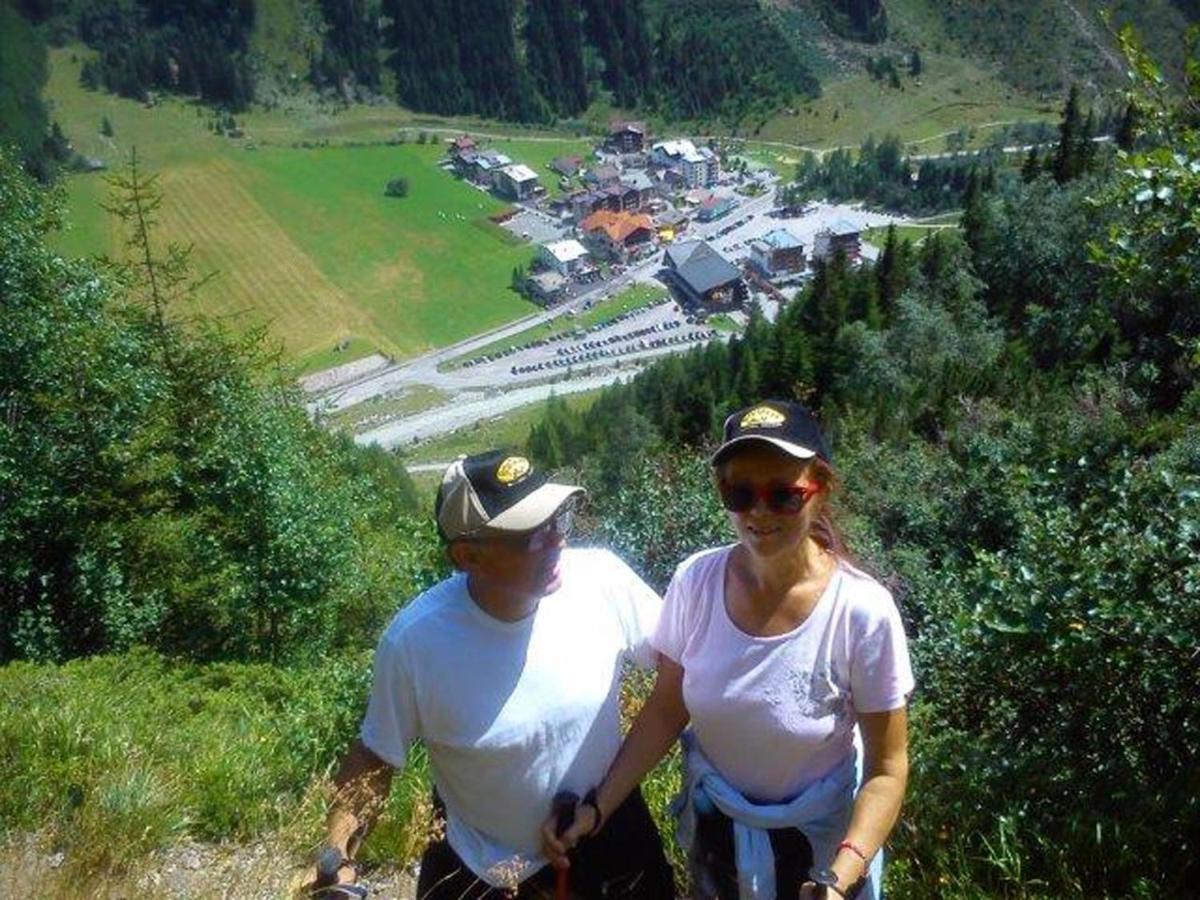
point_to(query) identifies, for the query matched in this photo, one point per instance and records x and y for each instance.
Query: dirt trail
(188, 871)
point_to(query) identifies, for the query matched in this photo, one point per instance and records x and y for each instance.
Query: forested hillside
(542, 60)
(1015, 418)
(24, 122)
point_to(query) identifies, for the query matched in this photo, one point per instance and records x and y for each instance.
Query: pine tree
(974, 216)
(1127, 130)
(1066, 158)
(1085, 152)
(1032, 167)
(915, 66)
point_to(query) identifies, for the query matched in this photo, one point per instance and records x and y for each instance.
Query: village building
(695, 167)
(461, 145)
(627, 137)
(584, 203)
(704, 277)
(486, 165)
(777, 254)
(547, 287)
(602, 175)
(670, 224)
(700, 168)
(617, 235)
(841, 235)
(715, 207)
(621, 197)
(565, 257)
(517, 182)
(567, 166)
(643, 185)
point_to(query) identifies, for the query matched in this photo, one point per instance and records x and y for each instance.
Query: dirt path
(188, 871)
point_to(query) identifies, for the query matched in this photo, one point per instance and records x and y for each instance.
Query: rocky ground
(188, 871)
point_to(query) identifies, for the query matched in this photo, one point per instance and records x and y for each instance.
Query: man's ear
(462, 554)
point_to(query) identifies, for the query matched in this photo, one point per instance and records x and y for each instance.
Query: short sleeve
(671, 635)
(391, 724)
(638, 607)
(881, 675)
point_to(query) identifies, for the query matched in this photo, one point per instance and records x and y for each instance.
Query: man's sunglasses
(559, 525)
(779, 498)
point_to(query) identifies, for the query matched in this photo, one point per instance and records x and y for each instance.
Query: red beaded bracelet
(856, 850)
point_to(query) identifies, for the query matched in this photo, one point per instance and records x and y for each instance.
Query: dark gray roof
(702, 267)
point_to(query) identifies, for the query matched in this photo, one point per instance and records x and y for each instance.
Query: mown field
(304, 240)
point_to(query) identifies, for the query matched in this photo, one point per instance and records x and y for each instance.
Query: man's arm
(361, 789)
(362, 786)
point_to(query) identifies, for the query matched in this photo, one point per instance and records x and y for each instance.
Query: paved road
(469, 408)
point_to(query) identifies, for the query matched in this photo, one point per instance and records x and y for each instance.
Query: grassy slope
(953, 91)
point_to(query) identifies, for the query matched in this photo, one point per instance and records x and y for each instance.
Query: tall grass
(111, 758)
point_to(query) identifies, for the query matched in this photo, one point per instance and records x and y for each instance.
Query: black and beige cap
(496, 491)
(788, 426)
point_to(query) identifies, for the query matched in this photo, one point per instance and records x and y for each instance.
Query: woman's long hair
(825, 528)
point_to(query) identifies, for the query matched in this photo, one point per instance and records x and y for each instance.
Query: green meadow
(304, 240)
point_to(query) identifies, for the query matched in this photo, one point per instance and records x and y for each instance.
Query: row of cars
(542, 342)
(629, 344)
(617, 338)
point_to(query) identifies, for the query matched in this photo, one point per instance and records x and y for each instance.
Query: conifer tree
(1033, 165)
(1066, 158)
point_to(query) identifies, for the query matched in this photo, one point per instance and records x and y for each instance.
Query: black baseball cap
(496, 491)
(790, 427)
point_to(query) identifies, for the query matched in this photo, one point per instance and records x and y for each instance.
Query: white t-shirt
(511, 712)
(773, 714)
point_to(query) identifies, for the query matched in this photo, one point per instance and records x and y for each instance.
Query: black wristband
(589, 799)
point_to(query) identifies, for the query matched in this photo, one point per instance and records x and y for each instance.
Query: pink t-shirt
(774, 714)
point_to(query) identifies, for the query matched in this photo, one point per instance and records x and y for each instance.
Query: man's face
(520, 565)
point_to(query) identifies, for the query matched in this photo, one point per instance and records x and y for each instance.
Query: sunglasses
(779, 498)
(558, 525)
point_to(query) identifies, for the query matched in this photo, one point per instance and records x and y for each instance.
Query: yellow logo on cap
(762, 417)
(512, 470)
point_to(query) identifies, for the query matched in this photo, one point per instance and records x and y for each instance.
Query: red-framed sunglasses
(779, 498)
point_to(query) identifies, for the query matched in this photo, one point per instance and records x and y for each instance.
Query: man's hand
(555, 846)
(312, 882)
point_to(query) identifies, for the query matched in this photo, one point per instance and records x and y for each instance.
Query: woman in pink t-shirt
(791, 666)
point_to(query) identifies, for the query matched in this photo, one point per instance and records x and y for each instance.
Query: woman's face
(771, 474)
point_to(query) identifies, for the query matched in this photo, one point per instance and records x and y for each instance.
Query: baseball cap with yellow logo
(789, 426)
(496, 491)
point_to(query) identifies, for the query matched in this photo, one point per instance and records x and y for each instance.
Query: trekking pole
(563, 805)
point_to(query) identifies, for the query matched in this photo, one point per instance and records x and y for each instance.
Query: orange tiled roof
(617, 225)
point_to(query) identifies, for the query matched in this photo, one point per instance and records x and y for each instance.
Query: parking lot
(631, 335)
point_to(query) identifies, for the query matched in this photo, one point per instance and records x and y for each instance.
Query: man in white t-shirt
(509, 671)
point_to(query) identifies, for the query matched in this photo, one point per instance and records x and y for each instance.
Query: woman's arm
(885, 776)
(654, 730)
